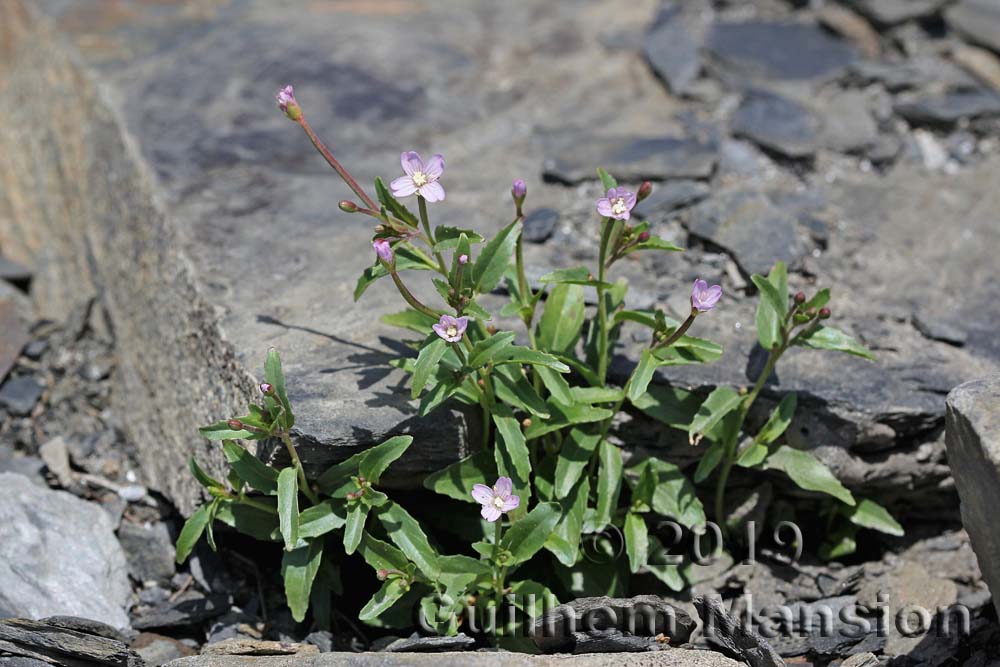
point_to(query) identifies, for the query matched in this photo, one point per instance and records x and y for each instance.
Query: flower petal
(441, 331)
(410, 162)
(482, 493)
(432, 191)
(490, 513)
(504, 487)
(604, 207)
(714, 293)
(435, 166)
(511, 503)
(612, 193)
(462, 322)
(403, 186)
(699, 287)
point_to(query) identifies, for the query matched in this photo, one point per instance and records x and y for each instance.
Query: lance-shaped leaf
(673, 494)
(607, 180)
(579, 275)
(252, 470)
(514, 389)
(298, 568)
(772, 306)
(642, 375)
(381, 555)
(392, 590)
(562, 319)
(609, 478)
(406, 533)
(328, 516)
(527, 536)
(779, 420)
(564, 541)
(357, 512)
(807, 472)
(636, 541)
(869, 514)
(456, 481)
(720, 402)
(406, 259)
(829, 338)
(376, 460)
(203, 477)
(427, 363)
(447, 238)
(392, 205)
(192, 531)
(573, 459)
(288, 507)
(276, 378)
(490, 348)
(411, 319)
(495, 257)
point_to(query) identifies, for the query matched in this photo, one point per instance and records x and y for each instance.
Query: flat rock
(19, 394)
(777, 124)
(672, 45)
(629, 158)
(58, 556)
(948, 109)
(750, 228)
(727, 635)
(14, 273)
(671, 658)
(848, 125)
(776, 50)
(418, 644)
(977, 20)
(14, 336)
(540, 225)
(670, 196)
(189, 609)
(149, 550)
(973, 438)
(242, 646)
(57, 644)
(891, 12)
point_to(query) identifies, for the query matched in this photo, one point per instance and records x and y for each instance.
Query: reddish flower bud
(824, 313)
(347, 206)
(382, 574)
(235, 424)
(644, 191)
(643, 237)
(266, 388)
(491, 329)
(800, 297)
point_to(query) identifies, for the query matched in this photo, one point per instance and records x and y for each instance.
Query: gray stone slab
(777, 124)
(977, 20)
(891, 12)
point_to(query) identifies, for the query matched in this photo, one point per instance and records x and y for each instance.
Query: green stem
(303, 482)
(337, 167)
(498, 572)
(602, 308)
(408, 295)
(425, 221)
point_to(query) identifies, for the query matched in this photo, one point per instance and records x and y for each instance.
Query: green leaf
(456, 481)
(709, 461)
(381, 555)
(829, 338)
(494, 258)
(564, 541)
(288, 507)
(673, 494)
(771, 311)
(406, 533)
(298, 568)
(511, 452)
(662, 568)
(221, 431)
(594, 395)
(518, 354)
(719, 403)
(753, 455)
(357, 512)
(527, 536)
(410, 319)
(769, 292)
(427, 363)
(457, 572)
(840, 544)
(779, 420)
(655, 243)
(392, 204)
(609, 478)
(807, 472)
(250, 520)
(252, 470)
(607, 180)
(375, 460)
(565, 415)
(669, 405)
(579, 275)
(573, 459)
(636, 541)
(385, 597)
(191, 532)
(447, 238)
(513, 388)
(641, 376)
(321, 519)
(526, 591)
(203, 478)
(487, 349)
(274, 376)
(869, 514)
(820, 299)
(562, 319)
(336, 481)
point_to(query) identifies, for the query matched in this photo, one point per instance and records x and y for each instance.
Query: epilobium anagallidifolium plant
(549, 481)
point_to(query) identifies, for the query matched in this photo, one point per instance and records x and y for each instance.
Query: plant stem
(407, 294)
(425, 221)
(602, 308)
(303, 482)
(337, 167)
(498, 572)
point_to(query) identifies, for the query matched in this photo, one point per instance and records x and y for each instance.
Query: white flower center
(619, 207)
(498, 502)
(419, 178)
(452, 331)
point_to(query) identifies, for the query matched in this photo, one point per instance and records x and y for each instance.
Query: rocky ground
(858, 141)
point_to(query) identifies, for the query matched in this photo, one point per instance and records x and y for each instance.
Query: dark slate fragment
(891, 12)
(776, 50)
(19, 394)
(149, 550)
(16, 274)
(629, 158)
(189, 609)
(672, 49)
(777, 124)
(946, 110)
(976, 20)
(539, 225)
(417, 644)
(725, 633)
(938, 329)
(671, 196)
(613, 641)
(60, 645)
(643, 616)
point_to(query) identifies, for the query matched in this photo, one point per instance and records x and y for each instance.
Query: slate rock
(727, 635)
(777, 124)
(848, 126)
(58, 555)
(540, 225)
(19, 394)
(149, 550)
(158, 650)
(643, 616)
(244, 646)
(62, 646)
(777, 50)
(629, 158)
(189, 609)
(748, 226)
(670, 196)
(946, 110)
(916, 73)
(418, 644)
(939, 329)
(976, 20)
(16, 274)
(672, 47)
(973, 439)
(890, 12)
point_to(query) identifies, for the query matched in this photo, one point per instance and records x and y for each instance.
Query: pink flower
(618, 204)
(451, 328)
(287, 103)
(463, 259)
(703, 297)
(519, 189)
(496, 501)
(383, 250)
(419, 178)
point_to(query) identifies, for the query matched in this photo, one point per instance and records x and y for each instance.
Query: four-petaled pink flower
(383, 250)
(497, 500)
(618, 204)
(703, 297)
(451, 328)
(419, 178)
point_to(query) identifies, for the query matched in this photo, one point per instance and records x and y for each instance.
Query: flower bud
(811, 313)
(287, 103)
(519, 190)
(491, 329)
(824, 313)
(463, 259)
(347, 206)
(644, 191)
(480, 382)
(383, 250)
(643, 237)
(266, 388)
(382, 574)
(235, 424)
(800, 297)
(526, 423)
